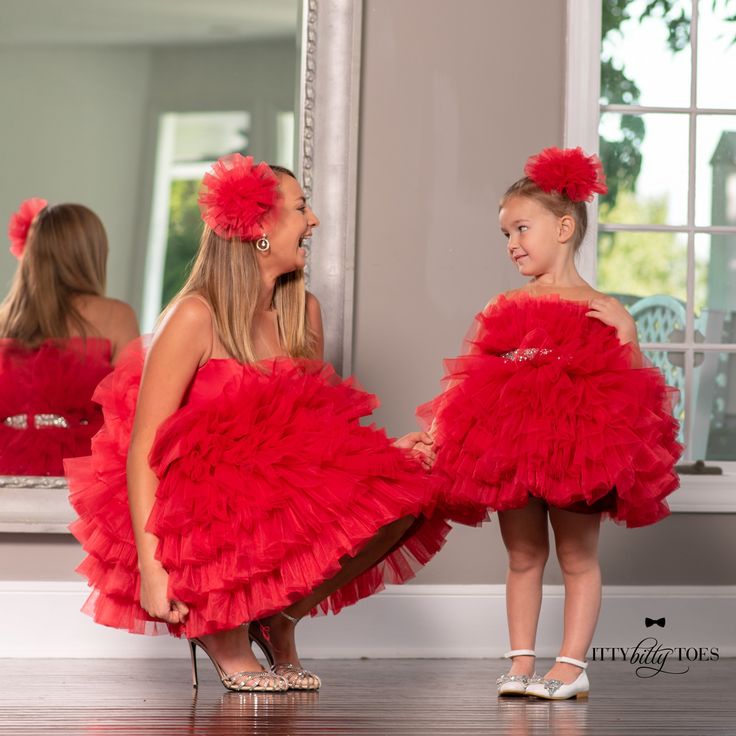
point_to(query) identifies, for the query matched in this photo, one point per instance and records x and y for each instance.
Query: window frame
(699, 494)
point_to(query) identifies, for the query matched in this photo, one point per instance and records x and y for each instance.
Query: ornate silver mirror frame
(328, 126)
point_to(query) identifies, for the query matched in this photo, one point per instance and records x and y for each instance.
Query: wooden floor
(358, 697)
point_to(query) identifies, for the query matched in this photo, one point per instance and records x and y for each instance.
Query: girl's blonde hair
(558, 204)
(227, 275)
(65, 256)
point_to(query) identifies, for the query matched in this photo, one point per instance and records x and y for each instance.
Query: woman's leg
(525, 535)
(232, 651)
(281, 629)
(576, 542)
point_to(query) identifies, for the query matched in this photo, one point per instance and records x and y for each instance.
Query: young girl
(552, 415)
(59, 336)
(252, 492)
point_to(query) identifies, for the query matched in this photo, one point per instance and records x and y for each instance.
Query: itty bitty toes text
(651, 658)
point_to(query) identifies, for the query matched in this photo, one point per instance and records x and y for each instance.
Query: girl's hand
(155, 600)
(420, 444)
(611, 312)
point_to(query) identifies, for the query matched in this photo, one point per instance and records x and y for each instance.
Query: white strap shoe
(558, 690)
(514, 684)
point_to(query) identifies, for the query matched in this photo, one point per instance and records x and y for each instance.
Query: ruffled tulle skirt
(547, 403)
(266, 481)
(46, 408)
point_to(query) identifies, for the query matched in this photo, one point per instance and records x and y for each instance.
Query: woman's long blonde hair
(227, 275)
(65, 256)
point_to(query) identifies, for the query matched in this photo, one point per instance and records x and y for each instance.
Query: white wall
(72, 131)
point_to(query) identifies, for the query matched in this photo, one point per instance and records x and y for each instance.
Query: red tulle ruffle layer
(546, 403)
(46, 408)
(267, 479)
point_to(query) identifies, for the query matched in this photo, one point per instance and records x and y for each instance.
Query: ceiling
(144, 21)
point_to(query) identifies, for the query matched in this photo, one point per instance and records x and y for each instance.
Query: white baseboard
(42, 619)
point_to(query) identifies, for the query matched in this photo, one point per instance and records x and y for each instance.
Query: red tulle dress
(547, 402)
(266, 480)
(46, 408)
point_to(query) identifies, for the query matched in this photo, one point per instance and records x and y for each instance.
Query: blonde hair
(556, 203)
(227, 275)
(65, 256)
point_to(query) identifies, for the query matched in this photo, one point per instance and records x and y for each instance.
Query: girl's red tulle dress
(547, 402)
(266, 480)
(46, 408)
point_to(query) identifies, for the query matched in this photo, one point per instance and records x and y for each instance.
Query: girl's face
(533, 235)
(295, 225)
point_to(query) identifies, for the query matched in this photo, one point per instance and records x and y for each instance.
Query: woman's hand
(420, 444)
(155, 599)
(611, 312)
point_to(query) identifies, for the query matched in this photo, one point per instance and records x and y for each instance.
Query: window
(664, 121)
(188, 144)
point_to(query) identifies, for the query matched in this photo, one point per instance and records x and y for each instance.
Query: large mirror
(123, 106)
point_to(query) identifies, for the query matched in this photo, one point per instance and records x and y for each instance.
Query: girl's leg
(281, 629)
(524, 533)
(576, 542)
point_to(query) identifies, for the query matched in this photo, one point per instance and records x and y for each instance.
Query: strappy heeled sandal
(515, 684)
(296, 676)
(262, 681)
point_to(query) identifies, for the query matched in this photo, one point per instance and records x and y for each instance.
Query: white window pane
(715, 288)
(648, 273)
(715, 187)
(716, 54)
(645, 55)
(713, 408)
(646, 162)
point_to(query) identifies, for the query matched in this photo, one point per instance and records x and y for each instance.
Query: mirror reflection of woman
(255, 494)
(59, 336)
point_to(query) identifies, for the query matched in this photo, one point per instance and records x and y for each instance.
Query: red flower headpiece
(567, 171)
(20, 224)
(239, 199)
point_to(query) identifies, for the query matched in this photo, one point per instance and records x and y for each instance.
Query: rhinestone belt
(521, 354)
(40, 421)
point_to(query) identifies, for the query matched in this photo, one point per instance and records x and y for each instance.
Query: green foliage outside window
(185, 229)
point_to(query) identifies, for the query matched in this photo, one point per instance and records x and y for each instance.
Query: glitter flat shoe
(515, 684)
(558, 690)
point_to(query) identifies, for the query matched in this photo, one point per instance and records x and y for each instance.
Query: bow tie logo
(652, 621)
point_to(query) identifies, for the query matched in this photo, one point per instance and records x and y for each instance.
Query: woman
(255, 495)
(59, 336)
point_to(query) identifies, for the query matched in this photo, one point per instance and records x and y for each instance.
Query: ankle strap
(570, 660)
(293, 620)
(519, 653)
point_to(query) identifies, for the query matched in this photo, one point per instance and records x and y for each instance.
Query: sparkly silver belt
(40, 421)
(521, 354)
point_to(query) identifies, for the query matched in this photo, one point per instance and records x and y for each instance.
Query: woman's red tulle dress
(266, 480)
(46, 408)
(546, 402)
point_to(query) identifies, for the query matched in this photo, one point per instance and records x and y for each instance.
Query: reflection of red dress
(546, 403)
(267, 479)
(46, 407)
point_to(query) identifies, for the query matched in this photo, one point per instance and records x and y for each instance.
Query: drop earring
(263, 244)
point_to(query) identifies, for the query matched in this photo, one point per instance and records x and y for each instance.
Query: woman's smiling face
(296, 222)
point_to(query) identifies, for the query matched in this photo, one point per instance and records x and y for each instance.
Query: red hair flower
(239, 199)
(567, 171)
(20, 223)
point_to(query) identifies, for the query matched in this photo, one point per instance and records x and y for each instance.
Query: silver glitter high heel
(515, 684)
(297, 677)
(262, 681)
